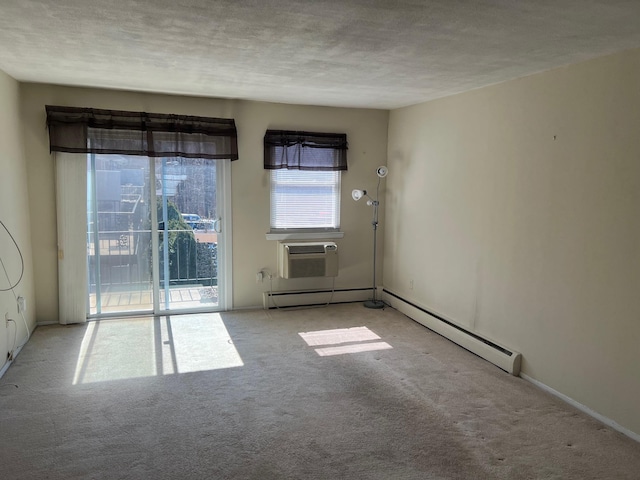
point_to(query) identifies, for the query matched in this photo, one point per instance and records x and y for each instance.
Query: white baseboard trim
(7, 364)
(305, 298)
(583, 408)
(5, 367)
(502, 357)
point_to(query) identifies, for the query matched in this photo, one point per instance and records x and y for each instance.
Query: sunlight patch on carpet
(351, 340)
(338, 335)
(146, 347)
(357, 348)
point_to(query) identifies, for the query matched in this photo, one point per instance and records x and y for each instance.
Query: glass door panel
(119, 234)
(188, 227)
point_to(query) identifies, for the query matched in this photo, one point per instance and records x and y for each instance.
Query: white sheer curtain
(71, 198)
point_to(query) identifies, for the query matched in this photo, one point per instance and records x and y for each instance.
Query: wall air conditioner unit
(301, 260)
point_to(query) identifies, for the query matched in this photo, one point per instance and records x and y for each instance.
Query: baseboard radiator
(307, 298)
(502, 357)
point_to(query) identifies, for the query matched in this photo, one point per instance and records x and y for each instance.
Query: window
(303, 199)
(305, 179)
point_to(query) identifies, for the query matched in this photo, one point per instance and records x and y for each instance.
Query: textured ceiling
(376, 53)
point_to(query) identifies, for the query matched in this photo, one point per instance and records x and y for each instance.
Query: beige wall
(367, 134)
(14, 213)
(515, 211)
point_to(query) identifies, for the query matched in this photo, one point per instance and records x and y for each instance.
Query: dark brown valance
(305, 150)
(90, 130)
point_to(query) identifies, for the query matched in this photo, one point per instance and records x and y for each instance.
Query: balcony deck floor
(136, 299)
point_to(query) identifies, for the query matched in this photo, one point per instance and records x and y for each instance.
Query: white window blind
(71, 203)
(302, 199)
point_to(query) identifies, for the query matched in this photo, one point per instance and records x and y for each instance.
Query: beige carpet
(335, 393)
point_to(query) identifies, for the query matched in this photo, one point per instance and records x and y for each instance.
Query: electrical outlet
(411, 284)
(259, 276)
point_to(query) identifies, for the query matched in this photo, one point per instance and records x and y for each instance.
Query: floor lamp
(357, 195)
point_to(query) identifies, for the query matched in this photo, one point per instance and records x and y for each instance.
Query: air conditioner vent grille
(311, 267)
(301, 249)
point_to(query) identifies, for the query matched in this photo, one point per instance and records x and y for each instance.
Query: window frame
(335, 185)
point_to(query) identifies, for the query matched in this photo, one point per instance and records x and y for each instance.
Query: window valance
(90, 130)
(305, 150)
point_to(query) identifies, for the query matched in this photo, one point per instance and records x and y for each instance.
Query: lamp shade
(358, 194)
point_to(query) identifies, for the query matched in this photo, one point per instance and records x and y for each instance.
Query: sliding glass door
(188, 228)
(155, 241)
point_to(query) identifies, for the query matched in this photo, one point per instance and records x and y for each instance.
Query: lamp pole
(357, 195)
(374, 303)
